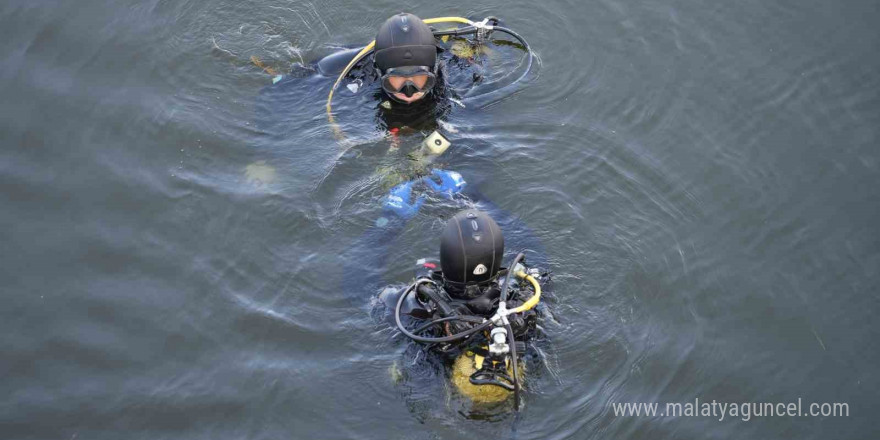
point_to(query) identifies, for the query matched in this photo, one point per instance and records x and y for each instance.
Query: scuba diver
(473, 313)
(406, 58)
(407, 65)
(405, 84)
(406, 61)
(471, 309)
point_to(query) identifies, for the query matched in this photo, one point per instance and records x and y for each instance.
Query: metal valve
(499, 344)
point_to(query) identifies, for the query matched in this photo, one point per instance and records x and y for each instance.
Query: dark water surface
(704, 177)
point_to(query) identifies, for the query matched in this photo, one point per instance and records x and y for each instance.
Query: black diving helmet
(408, 80)
(471, 249)
(406, 55)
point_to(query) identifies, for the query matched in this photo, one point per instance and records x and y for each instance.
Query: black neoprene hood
(405, 40)
(471, 248)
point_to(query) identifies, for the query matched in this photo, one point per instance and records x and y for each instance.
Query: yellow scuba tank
(465, 366)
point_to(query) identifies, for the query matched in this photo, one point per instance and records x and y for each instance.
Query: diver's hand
(398, 200)
(450, 182)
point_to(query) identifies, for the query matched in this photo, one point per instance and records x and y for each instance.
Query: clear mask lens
(408, 81)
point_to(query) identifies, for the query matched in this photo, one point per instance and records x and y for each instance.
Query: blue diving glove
(398, 200)
(450, 182)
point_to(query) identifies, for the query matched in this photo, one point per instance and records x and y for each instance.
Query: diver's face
(397, 82)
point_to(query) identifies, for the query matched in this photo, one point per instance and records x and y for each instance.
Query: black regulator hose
(472, 319)
(504, 289)
(426, 340)
(518, 37)
(510, 339)
(467, 30)
(531, 56)
(512, 343)
(442, 305)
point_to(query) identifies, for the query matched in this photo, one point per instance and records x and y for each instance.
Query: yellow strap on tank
(367, 50)
(533, 301)
(478, 362)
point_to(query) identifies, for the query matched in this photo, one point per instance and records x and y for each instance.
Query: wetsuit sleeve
(335, 63)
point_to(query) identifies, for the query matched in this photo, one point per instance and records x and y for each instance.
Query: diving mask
(408, 80)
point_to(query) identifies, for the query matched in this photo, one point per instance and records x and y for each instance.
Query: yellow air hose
(533, 301)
